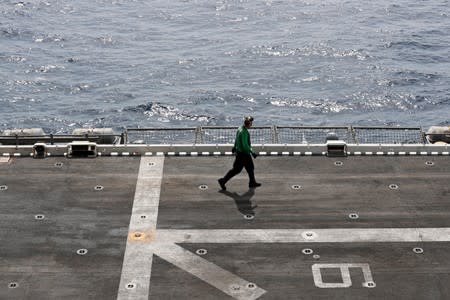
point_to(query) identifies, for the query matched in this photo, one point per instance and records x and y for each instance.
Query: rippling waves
(135, 63)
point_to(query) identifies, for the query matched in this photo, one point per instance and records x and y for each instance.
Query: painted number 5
(345, 273)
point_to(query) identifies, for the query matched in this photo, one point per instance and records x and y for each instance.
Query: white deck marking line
(144, 241)
(137, 262)
(165, 247)
(335, 235)
(210, 273)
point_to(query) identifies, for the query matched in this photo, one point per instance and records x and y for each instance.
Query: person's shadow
(243, 202)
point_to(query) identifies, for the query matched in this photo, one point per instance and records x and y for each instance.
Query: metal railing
(52, 139)
(226, 135)
(188, 135)
(311, 134)
(277, 135)
(378, 135)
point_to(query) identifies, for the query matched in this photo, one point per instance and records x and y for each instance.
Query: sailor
(244, 152)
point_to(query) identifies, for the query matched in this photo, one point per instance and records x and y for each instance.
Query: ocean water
(66, 64)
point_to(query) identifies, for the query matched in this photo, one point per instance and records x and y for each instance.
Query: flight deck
(141, 220)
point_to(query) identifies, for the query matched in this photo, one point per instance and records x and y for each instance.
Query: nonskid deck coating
(41, 255)
(327, 194)
(266, 250)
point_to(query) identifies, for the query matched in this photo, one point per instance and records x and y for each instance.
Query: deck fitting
(418, 250)
(369, 284)
(39, 217)
(309, 235)
(307, 251)
(353, 216)
(82, 251)
(130, 286)
(140, 236)
(393, 186)
(13, 285)
(249, 217)
(201, 251)
(235, 288)
(203, 187)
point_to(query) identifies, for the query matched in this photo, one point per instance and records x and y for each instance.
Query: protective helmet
(248, 119)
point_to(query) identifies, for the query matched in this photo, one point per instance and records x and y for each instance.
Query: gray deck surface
(39, 256)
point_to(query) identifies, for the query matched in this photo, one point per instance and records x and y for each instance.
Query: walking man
(244, 153)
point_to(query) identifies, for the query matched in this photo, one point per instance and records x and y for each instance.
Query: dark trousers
(241, 161)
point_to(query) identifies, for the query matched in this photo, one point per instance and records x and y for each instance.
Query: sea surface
(66, 64)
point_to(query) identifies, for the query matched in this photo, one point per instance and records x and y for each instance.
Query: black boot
(222, 184)
(254, 184)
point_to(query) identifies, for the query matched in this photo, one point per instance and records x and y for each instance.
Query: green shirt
(242, 142)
